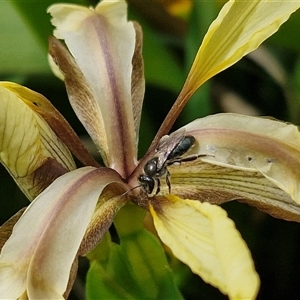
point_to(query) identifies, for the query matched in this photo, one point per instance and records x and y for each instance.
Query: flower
(209, 159)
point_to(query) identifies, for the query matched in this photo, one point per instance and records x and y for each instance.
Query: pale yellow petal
(41, 105)
(27, 143)
(251, 144)
(203, 237)
(239, 29)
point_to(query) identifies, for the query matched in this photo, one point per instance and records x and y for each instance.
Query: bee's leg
(194, 157)
(168, 181)
(179, 160)
(158, 186)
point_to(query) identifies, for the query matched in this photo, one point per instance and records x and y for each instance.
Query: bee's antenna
(131, 190)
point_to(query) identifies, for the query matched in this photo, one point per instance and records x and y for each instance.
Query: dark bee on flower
(169, 151)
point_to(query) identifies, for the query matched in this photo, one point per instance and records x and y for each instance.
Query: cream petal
(81, 97)
(7, 227)
(107, 207)
(40, 252)
(103, 42)
(251, 144)
(203, 237)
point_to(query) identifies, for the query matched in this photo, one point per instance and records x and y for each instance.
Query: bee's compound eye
(147, 183)
(150, 167)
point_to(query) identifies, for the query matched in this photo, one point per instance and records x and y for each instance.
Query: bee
(169, 151)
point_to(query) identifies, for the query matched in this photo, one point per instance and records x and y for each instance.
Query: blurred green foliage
(135, 269)
(266, 84)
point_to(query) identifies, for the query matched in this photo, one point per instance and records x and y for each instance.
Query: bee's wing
(166, 145)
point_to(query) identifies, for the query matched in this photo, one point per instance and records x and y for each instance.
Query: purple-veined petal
(81, 96)
(203, 237)
(103, 42)
(107, 207)
(251, 144)
(217, 184)
(68, 68)
(39, 254)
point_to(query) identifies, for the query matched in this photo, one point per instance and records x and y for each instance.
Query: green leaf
(25, 28)
(135, 269)
(159, 60)
(203, 13)
(20, 52)
(36, 17)
(287, 36)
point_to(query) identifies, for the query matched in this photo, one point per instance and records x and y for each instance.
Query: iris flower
(230, 157)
